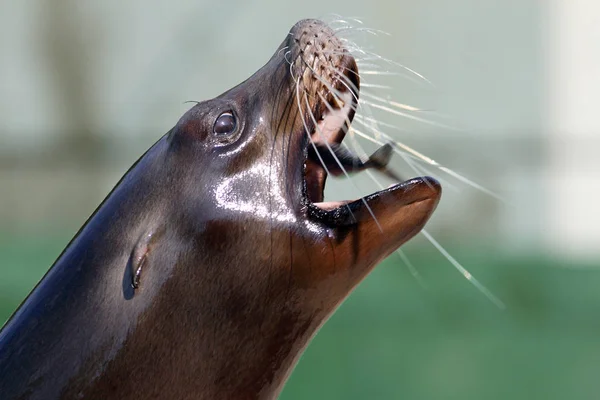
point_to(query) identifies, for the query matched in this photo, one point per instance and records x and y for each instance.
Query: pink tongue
(331, 205)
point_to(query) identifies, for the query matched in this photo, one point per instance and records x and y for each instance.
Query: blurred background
(87, 86)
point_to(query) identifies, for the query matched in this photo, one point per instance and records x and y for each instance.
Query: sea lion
(213, 262)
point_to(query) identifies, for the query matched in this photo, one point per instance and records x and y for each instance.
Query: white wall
(573, 180)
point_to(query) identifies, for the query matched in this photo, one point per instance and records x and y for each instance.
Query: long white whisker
(404, 67)
(344, 80)
(374, 72)
(418, 169)
(308, 132)
(291, 64)
(412, 117)
(401, 106)
(443, 251)
(374, 86)
(340, 164)
(363, 121)
(310, 138)
(404, 156)
(306, 127)
(473, 184)
(367, 137)
(411, 268)
(284, 48)
(421, 157)
(367, 62)
(337, 93)
(371, 31)
(463, 271)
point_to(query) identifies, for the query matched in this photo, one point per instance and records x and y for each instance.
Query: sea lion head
(264, 256)
(249, 178)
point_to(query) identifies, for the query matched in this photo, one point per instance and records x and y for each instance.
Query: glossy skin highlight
(237, 267)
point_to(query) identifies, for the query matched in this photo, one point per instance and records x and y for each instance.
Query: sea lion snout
(325, 70)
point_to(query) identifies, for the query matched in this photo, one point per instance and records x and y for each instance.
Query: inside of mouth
(329, 130)
(333, 123)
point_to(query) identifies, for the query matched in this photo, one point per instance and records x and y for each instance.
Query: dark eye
(225, 124)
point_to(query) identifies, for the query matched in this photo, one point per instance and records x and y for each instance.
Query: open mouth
(330, 120)
(331, 115)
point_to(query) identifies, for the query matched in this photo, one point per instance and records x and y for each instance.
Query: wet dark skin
(210, 266)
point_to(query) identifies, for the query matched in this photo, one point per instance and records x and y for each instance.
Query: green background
(395, 338)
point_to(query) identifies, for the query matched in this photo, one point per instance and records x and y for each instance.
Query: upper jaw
(399, 198)
(327, 99)
(327, 122)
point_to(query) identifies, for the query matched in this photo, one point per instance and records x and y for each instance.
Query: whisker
(375, 86)
(306, 127)
(340, 164)
(412, 117)
(401, 154)
(370, 66)
(344, 80)
(391, 102)
(464, 272)
(423, 158)
(426, 172)
(409, 265)
(406, 107)
(365, 56)
(340, 19)
(282, 49)
(367, 137)
(473, 184)
(290, 63)
(443, 251)
(349, 85)
(358, 21)
(407, 157)
(417, 169)
(402, 66)
(374, 72)
(411, 268)
(363, 119)
(371, 31)
(364, 64)
(356, 146)
(337, 94)
(310, 138)
(373, 123)
(381, 73)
